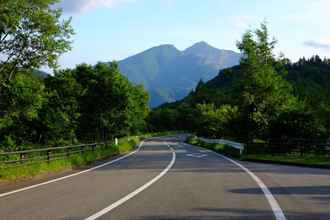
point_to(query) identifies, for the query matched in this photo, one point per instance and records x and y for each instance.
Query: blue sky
(115, 29)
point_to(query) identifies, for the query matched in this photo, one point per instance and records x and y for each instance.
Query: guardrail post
(22, 157)
(301, 147)
(67, 151)
(48, 155)
(82, 148)
(93, 147)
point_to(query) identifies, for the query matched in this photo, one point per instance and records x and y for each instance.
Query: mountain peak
(166, 46)
(200, 48)
(163, 48)
(201, 44)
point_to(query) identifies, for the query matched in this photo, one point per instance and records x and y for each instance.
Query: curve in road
(199, 185)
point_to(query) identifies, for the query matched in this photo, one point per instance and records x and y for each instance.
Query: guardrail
(297, 146)
(233, 144)
(46, 154)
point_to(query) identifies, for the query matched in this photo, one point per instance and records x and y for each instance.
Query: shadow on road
(302, 190)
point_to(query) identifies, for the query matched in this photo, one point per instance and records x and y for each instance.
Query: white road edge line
(72, 175)
(137, 191)
(278, 213)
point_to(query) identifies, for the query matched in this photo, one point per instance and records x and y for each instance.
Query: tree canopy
(32, 34)
(83, 104)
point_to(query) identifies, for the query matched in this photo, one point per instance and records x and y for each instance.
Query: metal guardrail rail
(46, 154)
(233, 144)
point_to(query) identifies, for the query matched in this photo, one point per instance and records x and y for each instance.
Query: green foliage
(32, 34)
(265, 97)
(263, 92)
(215, 122)
(59, 115)
(22, 100)
(110, 104)
(85, 104)
(163, 119)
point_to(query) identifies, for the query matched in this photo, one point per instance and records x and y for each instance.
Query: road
(167, 179)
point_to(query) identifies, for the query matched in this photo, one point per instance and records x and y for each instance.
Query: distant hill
(170, 74)
(310, 79)
(40, 74)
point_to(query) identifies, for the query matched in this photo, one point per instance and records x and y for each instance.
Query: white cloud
(311, 10)
(77, 6)
(242, 23)
(322, 44)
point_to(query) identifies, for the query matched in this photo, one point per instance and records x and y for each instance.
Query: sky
(107, 30)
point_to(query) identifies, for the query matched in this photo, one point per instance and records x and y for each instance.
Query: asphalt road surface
(167, 179)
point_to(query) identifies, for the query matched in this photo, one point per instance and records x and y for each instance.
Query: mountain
(170, 74)
(310, 79)
(220, 59)
(39, 74)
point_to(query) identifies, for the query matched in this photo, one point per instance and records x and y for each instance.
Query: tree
(24, 98)
(32, 34)
(263, 92)
(58, 118)
(215, 122)
(164, 119)
(110, 104)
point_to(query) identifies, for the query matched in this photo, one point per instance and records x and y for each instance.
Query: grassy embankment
(309, 160)
(21, 171)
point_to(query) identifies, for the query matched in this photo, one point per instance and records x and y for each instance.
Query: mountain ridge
(169, 74)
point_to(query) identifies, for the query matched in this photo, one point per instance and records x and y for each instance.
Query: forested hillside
(263, 97)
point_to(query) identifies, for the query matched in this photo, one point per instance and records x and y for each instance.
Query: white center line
(137, 191)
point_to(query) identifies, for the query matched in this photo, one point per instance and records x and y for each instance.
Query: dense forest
(265, 97)
(84, 104)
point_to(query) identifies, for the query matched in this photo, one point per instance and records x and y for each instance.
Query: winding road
(167, 179)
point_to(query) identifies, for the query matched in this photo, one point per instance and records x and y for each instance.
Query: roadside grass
(308, 160)
(30, 170)
(220, 148)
